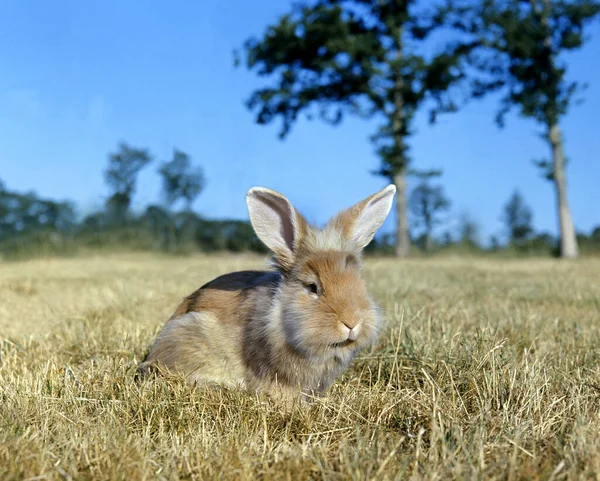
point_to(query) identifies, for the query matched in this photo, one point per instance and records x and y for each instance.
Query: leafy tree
(468, 232)
(494, 243)
(447, 239)
(594, 239)
(94, 221)
(548, 239)
(518, 218)
(159, 222)
(27, 213)
(527, 40)
(356, 57)
(121, 176)
(426, 203)
(55, 215)
(181, 181)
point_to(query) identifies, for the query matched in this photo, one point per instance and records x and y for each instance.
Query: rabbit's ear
(276, 223)
(359, 223)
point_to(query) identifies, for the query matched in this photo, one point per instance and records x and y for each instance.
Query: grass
(487, 369)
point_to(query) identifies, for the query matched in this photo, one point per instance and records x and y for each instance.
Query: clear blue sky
(77, 77)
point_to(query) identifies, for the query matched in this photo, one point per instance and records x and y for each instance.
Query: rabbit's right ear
(359, 223)
(276, 223)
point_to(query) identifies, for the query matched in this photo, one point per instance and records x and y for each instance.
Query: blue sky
(78, 77)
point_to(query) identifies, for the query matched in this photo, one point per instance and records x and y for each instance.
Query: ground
(487, 369)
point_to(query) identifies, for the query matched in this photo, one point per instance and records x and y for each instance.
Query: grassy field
(485, 370)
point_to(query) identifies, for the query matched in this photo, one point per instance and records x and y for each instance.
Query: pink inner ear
(285, 217)
(372, 216)
(376, 200)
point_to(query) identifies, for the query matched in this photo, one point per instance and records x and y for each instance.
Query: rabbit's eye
(312, 288)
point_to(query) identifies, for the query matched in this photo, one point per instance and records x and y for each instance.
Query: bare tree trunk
(402, 238)
(399, 177)
(428, 242)
(568, 240)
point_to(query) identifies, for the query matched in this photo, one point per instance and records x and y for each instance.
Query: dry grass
(486, 370)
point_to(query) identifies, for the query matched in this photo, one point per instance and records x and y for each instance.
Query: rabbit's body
(294, 328)
(204, 339)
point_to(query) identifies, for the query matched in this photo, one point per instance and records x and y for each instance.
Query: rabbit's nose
(350, 323)
(353, 329)
(353, 334)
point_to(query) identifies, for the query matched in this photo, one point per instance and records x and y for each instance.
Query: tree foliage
(181, 180)
(336, 57)
(518, 219)
(121, 176)
(426, 203)
(25, 213)
(468, 231)
(523, 42)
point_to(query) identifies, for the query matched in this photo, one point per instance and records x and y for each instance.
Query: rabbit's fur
(295, 328)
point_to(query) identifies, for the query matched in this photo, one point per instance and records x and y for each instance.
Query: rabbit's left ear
(276, 223)
(359, 223)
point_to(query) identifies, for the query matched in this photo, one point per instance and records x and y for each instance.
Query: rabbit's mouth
(345, 343)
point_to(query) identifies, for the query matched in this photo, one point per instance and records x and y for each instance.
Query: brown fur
(295, 328)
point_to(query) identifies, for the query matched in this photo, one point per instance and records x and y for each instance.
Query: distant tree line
(30, 225)
(430, 208)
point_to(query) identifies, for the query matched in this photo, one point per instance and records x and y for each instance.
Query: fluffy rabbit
(294, 328)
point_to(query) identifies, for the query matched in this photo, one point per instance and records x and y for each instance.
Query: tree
(356, 57)
(447, 239)
(121, 176)
(161, 225)
(426, 203)
(28, 213)
(517, 217)
(494, 243)
(528, 39)
(180, 180)
(468, 232)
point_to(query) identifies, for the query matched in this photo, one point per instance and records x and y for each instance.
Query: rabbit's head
(326, 309)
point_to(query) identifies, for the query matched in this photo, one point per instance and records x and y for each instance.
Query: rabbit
(292, 329)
